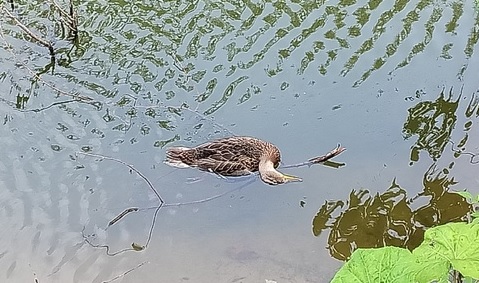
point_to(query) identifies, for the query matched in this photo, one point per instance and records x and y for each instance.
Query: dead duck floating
(236, 156)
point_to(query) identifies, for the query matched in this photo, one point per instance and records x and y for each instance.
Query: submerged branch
(70, 18)
(30, 33)
(63, 13)
(210, 198)
(76, 96)
(36, 110)
(137, 247)
(134, 246)
(106, 247)
(148, 182)
(128, 210)
(121, 215)
(126, 272)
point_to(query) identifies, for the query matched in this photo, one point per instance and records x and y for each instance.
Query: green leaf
(455, 244)
(469, 280)
(436, 268)
(388, 264)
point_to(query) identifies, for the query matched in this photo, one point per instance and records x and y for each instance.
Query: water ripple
(159, 71)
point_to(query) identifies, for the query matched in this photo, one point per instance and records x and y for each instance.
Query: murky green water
(393, 82)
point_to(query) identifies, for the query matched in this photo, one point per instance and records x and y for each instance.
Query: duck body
(232, 156)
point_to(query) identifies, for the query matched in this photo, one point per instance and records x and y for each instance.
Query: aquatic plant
(448, 251)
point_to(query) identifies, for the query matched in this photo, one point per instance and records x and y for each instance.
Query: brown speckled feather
(233, 156)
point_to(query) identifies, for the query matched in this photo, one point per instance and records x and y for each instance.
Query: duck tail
(180, 157)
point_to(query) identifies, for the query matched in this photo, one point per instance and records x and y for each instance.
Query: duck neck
(266, 165)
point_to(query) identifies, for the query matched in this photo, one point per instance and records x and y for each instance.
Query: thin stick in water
(126, 272)
(148, 182)
(319, 159)
(121, 215)
(30, 33)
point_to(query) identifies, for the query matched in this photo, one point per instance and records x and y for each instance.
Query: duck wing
(225, 162)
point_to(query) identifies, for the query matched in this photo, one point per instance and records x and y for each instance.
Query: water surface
(393, 82)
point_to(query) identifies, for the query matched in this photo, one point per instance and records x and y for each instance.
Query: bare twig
(150, 185)
(30, 33)
(69, 19)
(211, 198)
(126, 272)
(76, 96)
(132, 209)
(49, 106)
(136, 247)
(121, 215)
(178, 65)
(335, 152)
(153, 221)
(36, 110)
(106, 247)
(62, 12)
(72, 13)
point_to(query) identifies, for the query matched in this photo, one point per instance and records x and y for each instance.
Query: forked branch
(30, 33)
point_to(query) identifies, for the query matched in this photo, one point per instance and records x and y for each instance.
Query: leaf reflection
(389, 218)
(134, 56)
(432, 122)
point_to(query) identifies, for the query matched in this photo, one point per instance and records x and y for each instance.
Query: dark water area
(393, 82)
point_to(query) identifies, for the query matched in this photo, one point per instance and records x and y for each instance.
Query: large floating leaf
(388, 264)
(455, 244)
(435, 267)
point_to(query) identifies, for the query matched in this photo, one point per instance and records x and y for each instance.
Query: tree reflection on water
(432, 122)
(392, 218)
(389, 218)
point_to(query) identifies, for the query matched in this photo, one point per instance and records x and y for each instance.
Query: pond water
(393, 82)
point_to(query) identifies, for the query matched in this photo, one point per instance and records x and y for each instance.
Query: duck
(233, 156)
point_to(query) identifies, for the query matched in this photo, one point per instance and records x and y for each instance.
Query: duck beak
(291, 178)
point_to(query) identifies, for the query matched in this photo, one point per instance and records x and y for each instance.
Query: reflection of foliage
(474, 201)
(206, 54)
(240, 37)
(453, 245)
(472, 111)
(165, 142)
(432, 122)
(388, 219)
